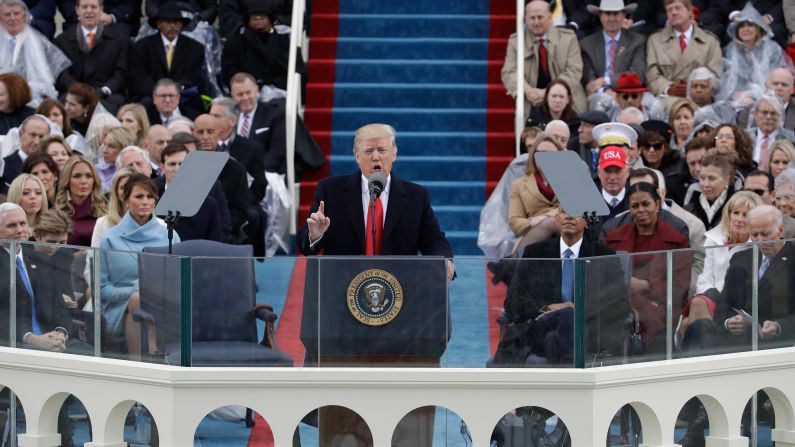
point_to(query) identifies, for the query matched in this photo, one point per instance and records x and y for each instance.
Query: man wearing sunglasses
(631, 92)
(761, 183)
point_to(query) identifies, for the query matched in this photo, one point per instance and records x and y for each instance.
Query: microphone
(376, 184)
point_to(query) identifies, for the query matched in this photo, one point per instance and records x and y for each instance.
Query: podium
(366, 311)
(375, 312)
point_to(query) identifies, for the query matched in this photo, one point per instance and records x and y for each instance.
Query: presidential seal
(375, 297)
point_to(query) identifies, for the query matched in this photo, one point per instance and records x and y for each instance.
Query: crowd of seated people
(85, 110)
(96, 118)
(704, 162)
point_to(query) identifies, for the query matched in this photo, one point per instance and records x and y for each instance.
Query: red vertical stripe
(500, 106)
(289, 331)
(261, 434)
(320, 90)
(499, 134)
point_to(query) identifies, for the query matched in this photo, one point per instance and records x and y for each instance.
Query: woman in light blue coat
(119, 260)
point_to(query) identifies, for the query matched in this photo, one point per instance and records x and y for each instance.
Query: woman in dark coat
(14, 96)
(645, 234)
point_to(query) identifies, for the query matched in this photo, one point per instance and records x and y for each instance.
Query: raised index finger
(322, 208)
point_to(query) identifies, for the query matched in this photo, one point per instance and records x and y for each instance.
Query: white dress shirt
(366, 197)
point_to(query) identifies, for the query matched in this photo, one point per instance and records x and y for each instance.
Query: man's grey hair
(36, 117)
(703, 74)
(165, 82)
(16, 3)
(101, 3)
(660, 178)
(783, 71)
(129, 149)
(173, 122)
(9, 206)
(633, 112)
(771, 99)
(765, 210)
(785, 178)
(558, 123)
(232, 109)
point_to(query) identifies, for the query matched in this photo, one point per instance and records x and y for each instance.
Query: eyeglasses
(767, 112)
(728, 137)
(626, 96)
(785, 197)
(167, 96)
(758, 191)
(652, 147)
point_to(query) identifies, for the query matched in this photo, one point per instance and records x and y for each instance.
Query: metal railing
(519, 118)
(293, 103)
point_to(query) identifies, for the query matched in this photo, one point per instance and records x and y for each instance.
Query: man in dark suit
(206, 223)
(167, 54)
(613, 50)
(583, 143)
(166, 104)
(122, 15)
(250, 154)
(262, 122)
(32, 130)
(99, 56)
(542, 292)
(42, 318)
(232, 176)
(336, 224)
(776, 272)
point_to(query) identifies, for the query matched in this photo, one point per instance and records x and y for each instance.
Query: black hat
(636, 127)
(266, 7)
(170, 11)
(661, 127)
(594, 117)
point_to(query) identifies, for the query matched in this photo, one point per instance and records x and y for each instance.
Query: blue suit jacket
(410, 227)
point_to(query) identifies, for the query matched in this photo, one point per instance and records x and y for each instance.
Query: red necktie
(90, 39)
(379, 228)
(542, 57)
(682, 42)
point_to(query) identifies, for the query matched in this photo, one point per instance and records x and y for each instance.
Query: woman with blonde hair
(80, 196)
(133, 116)
(116, 207)
(720, 243)
(681, 119)
(115, 139)
(782, 156)
(532, 206)
(29, 192)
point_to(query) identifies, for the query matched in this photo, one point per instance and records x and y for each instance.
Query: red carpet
(289, 331)
(261, 434)
(499, 117)
(495, 299)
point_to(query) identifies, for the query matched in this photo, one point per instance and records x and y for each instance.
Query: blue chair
(224, 305)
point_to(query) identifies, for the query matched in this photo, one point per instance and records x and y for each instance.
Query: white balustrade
(586, 400)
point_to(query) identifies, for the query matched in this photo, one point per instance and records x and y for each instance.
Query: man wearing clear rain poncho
(749, 58)
(25, 51)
